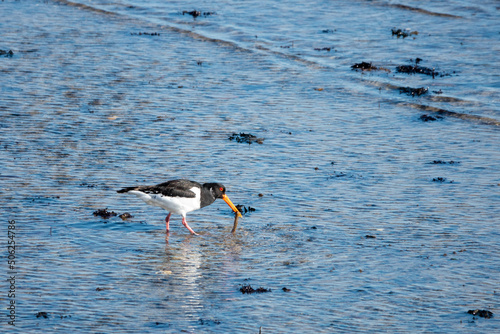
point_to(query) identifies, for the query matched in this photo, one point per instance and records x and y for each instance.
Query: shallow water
(89, 106)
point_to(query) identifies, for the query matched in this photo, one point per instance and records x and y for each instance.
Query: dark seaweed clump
(125, 216)
(196, 13)
(248, 289)
(246, 138)
(416, 69)
(481, 313)
(441, 162)
(104, 213)
(364, 66)
(209, 321)
(440, 180)
(413, 91)
(42, 315)
(145, 33)
(401, 33)
(6, 53)
(243, 209)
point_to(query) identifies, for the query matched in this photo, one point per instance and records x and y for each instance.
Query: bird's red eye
(221, 189)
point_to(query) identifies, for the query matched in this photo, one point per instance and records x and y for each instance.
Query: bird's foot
(184, 222)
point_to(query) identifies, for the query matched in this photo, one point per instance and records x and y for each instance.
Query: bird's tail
(126, 190)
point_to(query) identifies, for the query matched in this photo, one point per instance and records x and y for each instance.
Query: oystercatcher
(181, 197)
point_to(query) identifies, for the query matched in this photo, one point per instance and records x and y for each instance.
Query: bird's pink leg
(167, 221)
(184, 222)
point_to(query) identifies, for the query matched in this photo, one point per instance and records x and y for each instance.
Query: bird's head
(219, 191)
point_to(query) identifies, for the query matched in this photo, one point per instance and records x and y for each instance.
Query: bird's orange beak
(228, 201)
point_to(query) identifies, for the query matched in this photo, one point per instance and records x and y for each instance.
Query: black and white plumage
(181, 197)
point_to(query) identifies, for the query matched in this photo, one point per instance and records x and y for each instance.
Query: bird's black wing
(175, 188)
(126, 190)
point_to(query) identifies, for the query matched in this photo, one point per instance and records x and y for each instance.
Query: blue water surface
(367, 218)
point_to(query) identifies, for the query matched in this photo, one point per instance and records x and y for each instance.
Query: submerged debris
(427, 118)
(145, 33)
(248, 289)
(6, 53)
(196, 13)
(46, 315)
(413, 91)
(481, 313)
(193, 13)
(209, 321)
(246, 138)
(323, 49)
(441, 162)
(440, 180)
(104, 213)
(337, 174)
